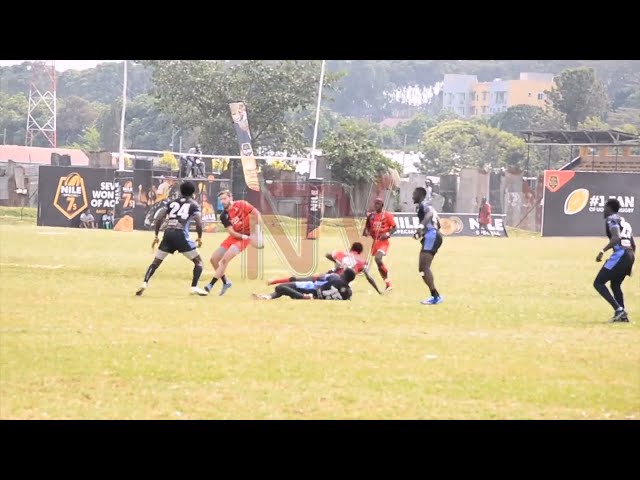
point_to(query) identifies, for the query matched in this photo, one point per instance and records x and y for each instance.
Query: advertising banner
(452, 225)
(65, 192)
(574, 202)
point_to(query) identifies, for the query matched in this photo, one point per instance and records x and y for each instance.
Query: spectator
(87, 220)
(484, 216)
(107, 220)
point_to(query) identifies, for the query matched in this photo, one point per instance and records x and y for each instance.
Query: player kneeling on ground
(329, 287)
(176, 236)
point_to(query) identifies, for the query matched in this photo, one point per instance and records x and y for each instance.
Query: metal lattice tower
(41, 118)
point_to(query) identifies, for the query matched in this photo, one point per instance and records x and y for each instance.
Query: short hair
(187, 189)
(357, 247)
(349, 275)
(224, 192)
(613, 204)
(422, 191)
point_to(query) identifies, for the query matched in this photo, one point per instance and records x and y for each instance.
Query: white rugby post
(313, 163)
(124, 109)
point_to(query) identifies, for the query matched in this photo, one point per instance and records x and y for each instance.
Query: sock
(434, 293)
(213, 281)
(197, 271)
(604, 291)
(224, 279)
(383, 271)
(150, 271)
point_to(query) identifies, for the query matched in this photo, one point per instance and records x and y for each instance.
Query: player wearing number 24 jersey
(179, 212)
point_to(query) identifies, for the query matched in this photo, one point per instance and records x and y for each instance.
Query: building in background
(466, 97)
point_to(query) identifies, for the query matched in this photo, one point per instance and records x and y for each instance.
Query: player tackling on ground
(620, 262)
(180, 212)
(328, 287)
(342, 260)
(431, 240)
(380, 226)
(237, 218)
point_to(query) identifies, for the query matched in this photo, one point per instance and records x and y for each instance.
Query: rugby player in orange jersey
(236, 218)
(380, 226)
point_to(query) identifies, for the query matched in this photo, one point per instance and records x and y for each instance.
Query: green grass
(521, 335)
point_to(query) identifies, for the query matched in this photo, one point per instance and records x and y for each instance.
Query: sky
(62, 65)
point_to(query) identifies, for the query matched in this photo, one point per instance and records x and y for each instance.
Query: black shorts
(175, 239)
(617, 268)
(431, 242)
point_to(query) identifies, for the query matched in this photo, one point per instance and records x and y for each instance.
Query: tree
(354, 158)
(198, 93)
(90, 141)
(75, 115)
(457, 144)
(527, 117)
(593, 123)
(579, 94)
(146, 127)
(13, 118)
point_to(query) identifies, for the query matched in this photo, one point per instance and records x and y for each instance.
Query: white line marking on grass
(31, 265)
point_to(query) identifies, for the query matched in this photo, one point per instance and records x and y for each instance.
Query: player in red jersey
(342, 260)
(380, 226)
(237, 218)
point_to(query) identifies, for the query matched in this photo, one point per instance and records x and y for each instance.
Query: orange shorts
(239, 243)
(380, 246)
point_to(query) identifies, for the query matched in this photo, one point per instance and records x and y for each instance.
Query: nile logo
(71, 195)
(576, 201)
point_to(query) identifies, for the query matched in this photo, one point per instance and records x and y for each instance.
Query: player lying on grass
(342, 260)
(330, 287)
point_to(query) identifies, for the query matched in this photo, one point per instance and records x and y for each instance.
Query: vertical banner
(241, 124)
(314, 212)
(125, 203)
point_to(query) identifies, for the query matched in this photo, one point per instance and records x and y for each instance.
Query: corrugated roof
(40, 155)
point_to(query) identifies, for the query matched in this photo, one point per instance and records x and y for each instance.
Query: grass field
(521, 335)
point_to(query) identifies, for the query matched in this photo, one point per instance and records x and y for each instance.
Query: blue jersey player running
(180, 212)
(430, 238)
(619, 264)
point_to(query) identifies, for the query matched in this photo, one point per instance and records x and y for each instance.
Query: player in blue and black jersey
(180, 212)
(619, 264)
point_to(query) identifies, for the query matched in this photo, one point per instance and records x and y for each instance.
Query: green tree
(13, 118)
(352, 156)
(527, 117)
(579, 94)
(198, 93)
(593, 123)
(74, 116)
(457, 144)
(90, 141)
